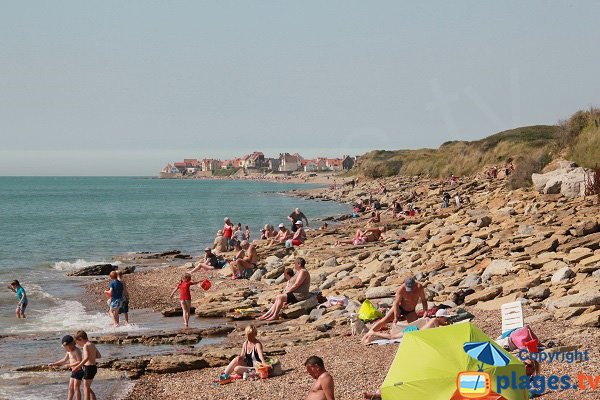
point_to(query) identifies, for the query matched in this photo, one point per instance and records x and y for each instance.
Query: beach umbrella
(431, 364)
(486, 353)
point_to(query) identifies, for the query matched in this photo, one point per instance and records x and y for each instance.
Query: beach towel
(381, 342)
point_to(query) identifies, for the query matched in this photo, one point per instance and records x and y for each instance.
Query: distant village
(285, 163)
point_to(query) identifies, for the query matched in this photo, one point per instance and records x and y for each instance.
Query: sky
(122, 88)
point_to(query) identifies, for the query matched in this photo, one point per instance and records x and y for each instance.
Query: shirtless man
(322, 389)
(90, 354)
(405, 302)
(282, 236)
(366, 236)
(248, 262)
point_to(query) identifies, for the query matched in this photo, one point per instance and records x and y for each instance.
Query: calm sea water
(50, 225)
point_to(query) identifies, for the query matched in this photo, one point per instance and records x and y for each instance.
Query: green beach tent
(432, 365)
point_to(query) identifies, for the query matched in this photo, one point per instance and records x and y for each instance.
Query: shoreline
(434, 250)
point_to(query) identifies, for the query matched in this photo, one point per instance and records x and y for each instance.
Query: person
(367, 236)
(228, 232)
(16, 287)
(323, 388)
(270, 231)
(88, 362)
(299, 236)
(375, 218)
(282, 236)
(209, 263)
(445, 199)
(72, 359)
(441, 319)
(405, 303)
(296, 216)
(252, 353)
(238, 235)
(185, 296)
(247, 233)
(221, 243)
(243, 267)
(125, 305)
(115, 291)
(396, 209)
(323, 226)
(298, 289)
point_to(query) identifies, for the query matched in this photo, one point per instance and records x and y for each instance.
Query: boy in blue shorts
(16, 287)
(72, 359)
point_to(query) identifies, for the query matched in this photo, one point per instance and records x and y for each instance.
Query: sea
(50, 226)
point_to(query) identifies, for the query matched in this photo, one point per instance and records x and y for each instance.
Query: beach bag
(368, 312)
(275, 365)
(520, 336)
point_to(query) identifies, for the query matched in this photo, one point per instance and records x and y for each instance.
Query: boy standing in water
(125, 304)
(72, 359)
(185, 296)
(88, 362)
(115, 291)
(16, 287)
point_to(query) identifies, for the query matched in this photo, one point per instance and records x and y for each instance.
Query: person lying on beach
(185, 296)
(88, 363)
(16, 287)
(209, 263)
(72, 359)
(323, 388)
(405, 303)
(242, 267)
(221, 243)
(297, 289)
(367, 236)
(375, 218)
(440, 319)
(252, 353)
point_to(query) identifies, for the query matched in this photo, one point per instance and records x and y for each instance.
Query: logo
(473, 385)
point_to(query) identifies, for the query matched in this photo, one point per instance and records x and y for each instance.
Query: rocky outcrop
(568, 181)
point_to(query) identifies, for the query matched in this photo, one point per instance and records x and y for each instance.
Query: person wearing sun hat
(221, 243)
(283, 235)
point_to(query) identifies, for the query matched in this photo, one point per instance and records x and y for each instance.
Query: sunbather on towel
(440, 319)
(405, 302)
(367, 236)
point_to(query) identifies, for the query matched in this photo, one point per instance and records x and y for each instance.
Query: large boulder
(100, 270)
(569, 181)
(562, 275)
(585, 299)
(496, 267)
(380, 292)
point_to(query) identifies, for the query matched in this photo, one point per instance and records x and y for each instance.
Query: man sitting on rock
(282, 236)
(243, 267)
(405, 302)
(440, 319)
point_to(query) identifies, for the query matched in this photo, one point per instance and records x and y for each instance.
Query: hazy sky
(122, 88)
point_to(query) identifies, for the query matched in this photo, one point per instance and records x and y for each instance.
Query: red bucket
(532, 346)
(205, 284)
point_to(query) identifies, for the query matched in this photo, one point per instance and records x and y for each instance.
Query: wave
(78, 264)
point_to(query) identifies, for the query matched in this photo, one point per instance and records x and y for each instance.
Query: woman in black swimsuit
(252, 352)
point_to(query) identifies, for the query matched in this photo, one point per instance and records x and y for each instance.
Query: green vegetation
(529, 147)
(225, 172)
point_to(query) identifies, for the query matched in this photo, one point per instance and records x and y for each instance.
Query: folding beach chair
(512, 316)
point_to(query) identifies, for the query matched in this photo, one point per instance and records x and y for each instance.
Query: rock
(496, 267)
(483, 222)
(595, 259)
(562, 275)
(470, 281)
(543, 246)
(538, 293)
(175, 363)
(470, 249)
(577, 300)
(578, 254)
(591, 241)
(496, 303)
(350, 282)
(316, 314)
(94, 270)
(570, 182)
(330, 262)
(587, 228)
(258, 274)
(380, 292)
(485, 295)
(300, 308)
(176, 312)
(591, 319)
